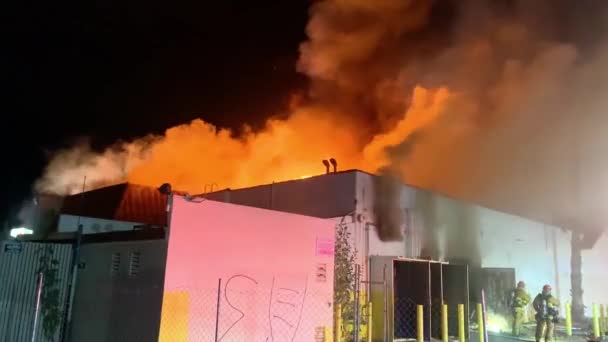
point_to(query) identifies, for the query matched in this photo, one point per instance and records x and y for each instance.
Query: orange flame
(197, 154)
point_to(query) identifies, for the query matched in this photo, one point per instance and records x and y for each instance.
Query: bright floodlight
(20, 231)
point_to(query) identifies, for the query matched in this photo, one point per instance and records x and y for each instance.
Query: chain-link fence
(240, 310)
(405, 318)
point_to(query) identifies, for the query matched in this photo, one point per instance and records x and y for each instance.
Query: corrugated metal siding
(121, 202)
(18, 288)
(142, 204)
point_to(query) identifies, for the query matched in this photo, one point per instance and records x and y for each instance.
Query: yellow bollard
(596, 322)
(568, 319)
(420, 327)
(338, 325)
(369, 322)
(328, 335)
(444, 323)
(460, 322)
(602, 320)
(480, 323)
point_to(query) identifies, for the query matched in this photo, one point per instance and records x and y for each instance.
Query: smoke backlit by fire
(193, 155)
(478, 99)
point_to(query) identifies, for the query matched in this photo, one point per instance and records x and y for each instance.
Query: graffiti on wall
(285, 306)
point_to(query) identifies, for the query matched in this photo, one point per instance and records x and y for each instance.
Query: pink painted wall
(276, 271)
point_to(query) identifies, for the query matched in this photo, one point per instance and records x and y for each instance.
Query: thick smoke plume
(496, 102)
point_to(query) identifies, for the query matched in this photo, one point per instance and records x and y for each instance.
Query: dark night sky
(117, 69)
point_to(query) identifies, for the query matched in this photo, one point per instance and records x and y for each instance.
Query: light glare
(15, 232)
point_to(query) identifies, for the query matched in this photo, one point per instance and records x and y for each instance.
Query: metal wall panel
(326, 196)
(114, 303)
(19, 265)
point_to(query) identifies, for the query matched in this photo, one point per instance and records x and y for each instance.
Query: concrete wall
(365, 191)
(118, 298)
(595, 274)
(539, 253)
(459, 230)
(91, 225)
(275, 268)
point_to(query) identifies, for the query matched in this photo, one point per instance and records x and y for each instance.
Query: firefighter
(547, 311)
(519, 303)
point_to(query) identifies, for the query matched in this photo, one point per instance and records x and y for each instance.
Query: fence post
(338, 324)
(420, 325)
(460, 322)
(480, 328)
(568, 319)
(369, 322)
(596, 322)
(217, 314)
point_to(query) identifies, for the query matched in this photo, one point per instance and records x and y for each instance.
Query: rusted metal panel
(121, 202)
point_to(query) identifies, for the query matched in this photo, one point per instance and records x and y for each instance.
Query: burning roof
(122, 202)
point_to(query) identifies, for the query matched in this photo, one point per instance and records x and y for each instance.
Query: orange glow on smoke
(191, 156)
(195, 156)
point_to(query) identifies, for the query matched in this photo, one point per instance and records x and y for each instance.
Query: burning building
(499, 248)
(430, 225)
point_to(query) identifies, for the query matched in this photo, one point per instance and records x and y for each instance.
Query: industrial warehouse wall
(324, 196)
(595, 273)
(20, 263)
(539, 253)
(448, 228)
(444, 228)
(119, 291)
(365, 218)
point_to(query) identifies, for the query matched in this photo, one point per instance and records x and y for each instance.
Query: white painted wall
(539, 253)
(365, 207)
(595, 274)
(506, 240)
(91, 225)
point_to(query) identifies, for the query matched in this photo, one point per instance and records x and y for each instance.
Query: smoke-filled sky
(497, 102)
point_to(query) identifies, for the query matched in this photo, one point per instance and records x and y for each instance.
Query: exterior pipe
(326, 163)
